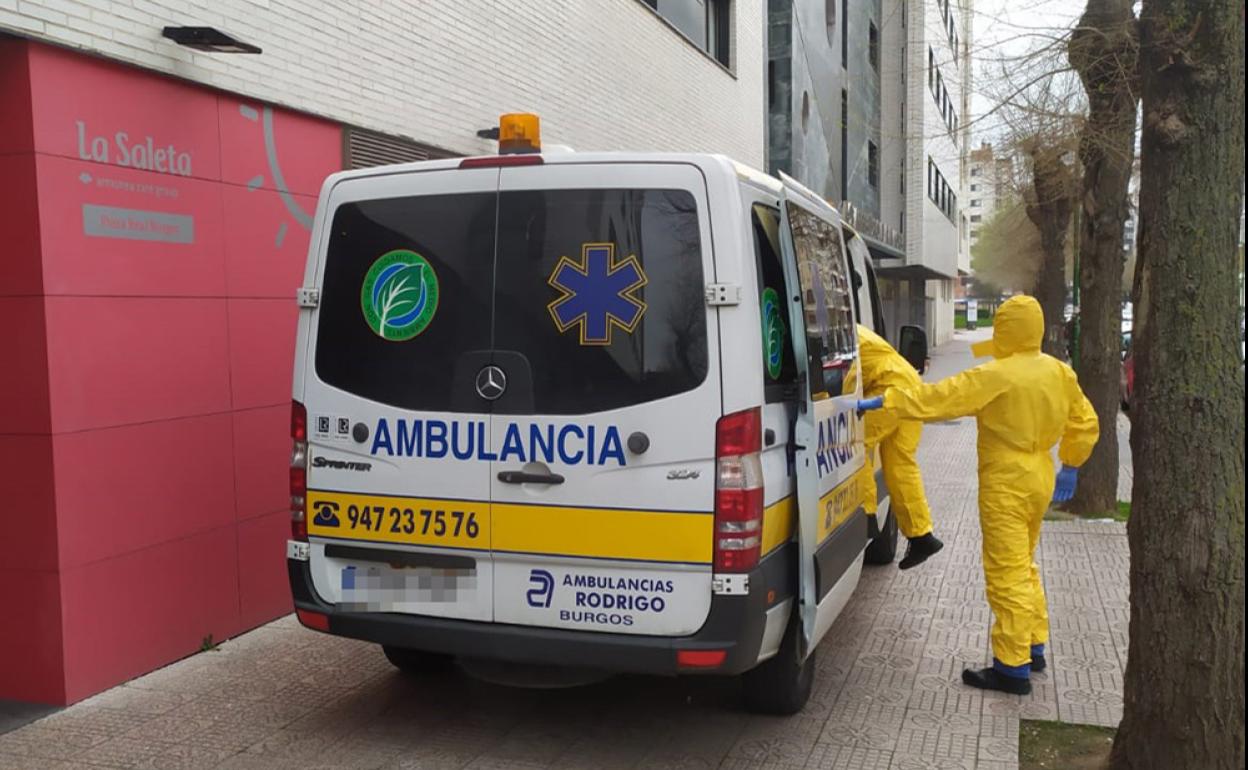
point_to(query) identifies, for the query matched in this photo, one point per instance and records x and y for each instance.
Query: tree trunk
(1184, 683)
(1103, 51)
(1049, 208)
(1051, 287)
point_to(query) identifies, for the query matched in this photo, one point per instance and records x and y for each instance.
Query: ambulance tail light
(700, 658)
(318, 621)
(298, 471)
(738, 491)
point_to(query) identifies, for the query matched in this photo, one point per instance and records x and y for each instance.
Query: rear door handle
(523, 477)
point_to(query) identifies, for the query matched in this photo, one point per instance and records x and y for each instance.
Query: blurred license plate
(383, 587)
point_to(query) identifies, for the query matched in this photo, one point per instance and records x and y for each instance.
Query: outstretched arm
(957, 396)
(1083, 429)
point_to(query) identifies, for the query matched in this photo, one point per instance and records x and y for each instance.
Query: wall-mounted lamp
(208, 39)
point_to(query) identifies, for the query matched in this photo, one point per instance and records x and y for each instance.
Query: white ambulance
(581, 411)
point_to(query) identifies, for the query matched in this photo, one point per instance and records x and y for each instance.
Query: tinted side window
(877, 310)
(827, 300)
(856, 280)
(601, 291)
(407, 290)
(779, 367)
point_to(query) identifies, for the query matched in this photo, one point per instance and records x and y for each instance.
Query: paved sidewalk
(887, 696)
(1126, 471)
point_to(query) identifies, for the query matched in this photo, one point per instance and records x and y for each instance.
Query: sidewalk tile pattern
(887, 697)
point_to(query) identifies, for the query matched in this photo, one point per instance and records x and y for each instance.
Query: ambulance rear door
(399, 469)
(603, 486)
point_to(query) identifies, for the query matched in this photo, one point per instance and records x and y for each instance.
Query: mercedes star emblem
(491, 382)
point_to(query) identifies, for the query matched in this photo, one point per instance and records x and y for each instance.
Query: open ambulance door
(827, 435)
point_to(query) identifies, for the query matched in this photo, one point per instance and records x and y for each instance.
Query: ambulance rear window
(589, 299)
(440, 245)
(601, 290)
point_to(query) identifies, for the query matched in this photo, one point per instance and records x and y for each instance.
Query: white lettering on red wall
(132, 152)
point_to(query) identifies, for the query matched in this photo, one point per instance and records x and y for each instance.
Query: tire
(417, 662)
(782, 685)
(883, 549)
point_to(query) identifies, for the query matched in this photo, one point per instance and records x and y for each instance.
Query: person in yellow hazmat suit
(897, 441)
(1024, 402)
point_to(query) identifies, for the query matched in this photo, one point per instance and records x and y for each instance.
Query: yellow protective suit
(1024, 402)
(897, 440)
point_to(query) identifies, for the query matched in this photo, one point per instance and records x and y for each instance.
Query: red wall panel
(17, 132)
(263, 583)
(21, 273)
(265, 248)
(31, 657)
(261, 460)
(32, 664)
(126, 615)
(165, 480)
(121, 360)
(88, 109)
(25, 405)
(160, 231)
(276, 149)
(119, 232)
(262, 351)
(28, 515)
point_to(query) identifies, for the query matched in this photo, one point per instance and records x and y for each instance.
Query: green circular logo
(773, 333)
(399, 295)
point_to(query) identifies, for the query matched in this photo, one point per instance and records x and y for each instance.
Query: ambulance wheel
(883, 549)
(781, 685)
(415, 662)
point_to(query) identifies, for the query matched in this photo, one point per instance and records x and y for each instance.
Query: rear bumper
(734, 624)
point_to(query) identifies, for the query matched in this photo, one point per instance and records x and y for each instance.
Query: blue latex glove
(868, 404)
(1067, 477)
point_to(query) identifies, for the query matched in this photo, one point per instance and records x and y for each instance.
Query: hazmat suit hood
(1018, 327)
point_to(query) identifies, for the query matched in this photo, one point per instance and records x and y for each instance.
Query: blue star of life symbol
(597, 293)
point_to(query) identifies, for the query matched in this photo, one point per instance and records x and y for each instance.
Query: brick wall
(603, 74)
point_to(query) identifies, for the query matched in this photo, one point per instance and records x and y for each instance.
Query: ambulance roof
(705, 161)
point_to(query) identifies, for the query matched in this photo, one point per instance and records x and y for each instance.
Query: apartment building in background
(990, 184)
(868, 104)
(937, 89)
(159, 189)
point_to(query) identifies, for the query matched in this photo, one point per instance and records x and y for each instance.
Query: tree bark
(1184, 682)
(1049, 207)
(1103, 51)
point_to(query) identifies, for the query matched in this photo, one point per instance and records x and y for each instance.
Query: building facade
(938, 38)
(824, 76)
(989, 186)
(603, 74)
(868, 105)
(158, 201)
(992, 184)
